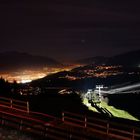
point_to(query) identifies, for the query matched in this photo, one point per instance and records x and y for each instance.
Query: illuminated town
(101, 71)
(29, 75)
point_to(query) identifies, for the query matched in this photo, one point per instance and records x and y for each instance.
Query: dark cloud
(67, 29)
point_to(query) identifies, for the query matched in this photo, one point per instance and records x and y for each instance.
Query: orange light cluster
(25, 76)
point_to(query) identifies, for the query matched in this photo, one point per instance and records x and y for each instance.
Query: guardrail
(54, 129)
(102, 128)
(34, 122)
(71, 126)
(14, 104)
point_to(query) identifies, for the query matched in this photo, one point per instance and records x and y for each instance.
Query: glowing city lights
(26, 76)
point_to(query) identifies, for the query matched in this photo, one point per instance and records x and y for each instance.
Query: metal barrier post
(107, 129)
(11, 103)
(63, 115)
(46, 131)
(85, 121)
(21, 122)
(28, 109)
(133, 134)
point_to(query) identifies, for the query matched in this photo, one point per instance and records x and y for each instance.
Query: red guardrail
(72, 126)
(101, 127)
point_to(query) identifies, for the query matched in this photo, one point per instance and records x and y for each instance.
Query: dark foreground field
(11, 134)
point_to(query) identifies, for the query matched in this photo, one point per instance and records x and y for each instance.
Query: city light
(25, 81)
(25, 76)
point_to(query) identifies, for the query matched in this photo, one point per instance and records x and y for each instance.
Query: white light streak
(121, 89)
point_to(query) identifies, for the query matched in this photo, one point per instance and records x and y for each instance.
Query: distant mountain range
(16, 60)
(93, 60)
(128, 72)
(13, 61)
(126, 59)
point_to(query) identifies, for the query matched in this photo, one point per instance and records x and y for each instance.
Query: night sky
(70, 29)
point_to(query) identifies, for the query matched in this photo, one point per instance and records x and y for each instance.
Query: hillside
(126, 59)
(17, 60)
(92, 60)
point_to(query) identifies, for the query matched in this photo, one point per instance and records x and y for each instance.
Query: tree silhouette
(4, 87)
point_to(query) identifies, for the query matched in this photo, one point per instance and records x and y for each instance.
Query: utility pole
(99, 87)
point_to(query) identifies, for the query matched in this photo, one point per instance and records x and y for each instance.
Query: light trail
(121, 89)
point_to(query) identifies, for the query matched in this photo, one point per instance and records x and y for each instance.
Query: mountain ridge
(131, 58)
(13, 60)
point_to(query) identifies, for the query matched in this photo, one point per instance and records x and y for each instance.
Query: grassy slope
(115, 112)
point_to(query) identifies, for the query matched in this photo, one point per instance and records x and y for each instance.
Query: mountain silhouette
(93, 60)
(126, 59)
(18, 60)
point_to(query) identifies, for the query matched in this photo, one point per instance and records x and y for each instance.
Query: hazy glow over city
(26, 76)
